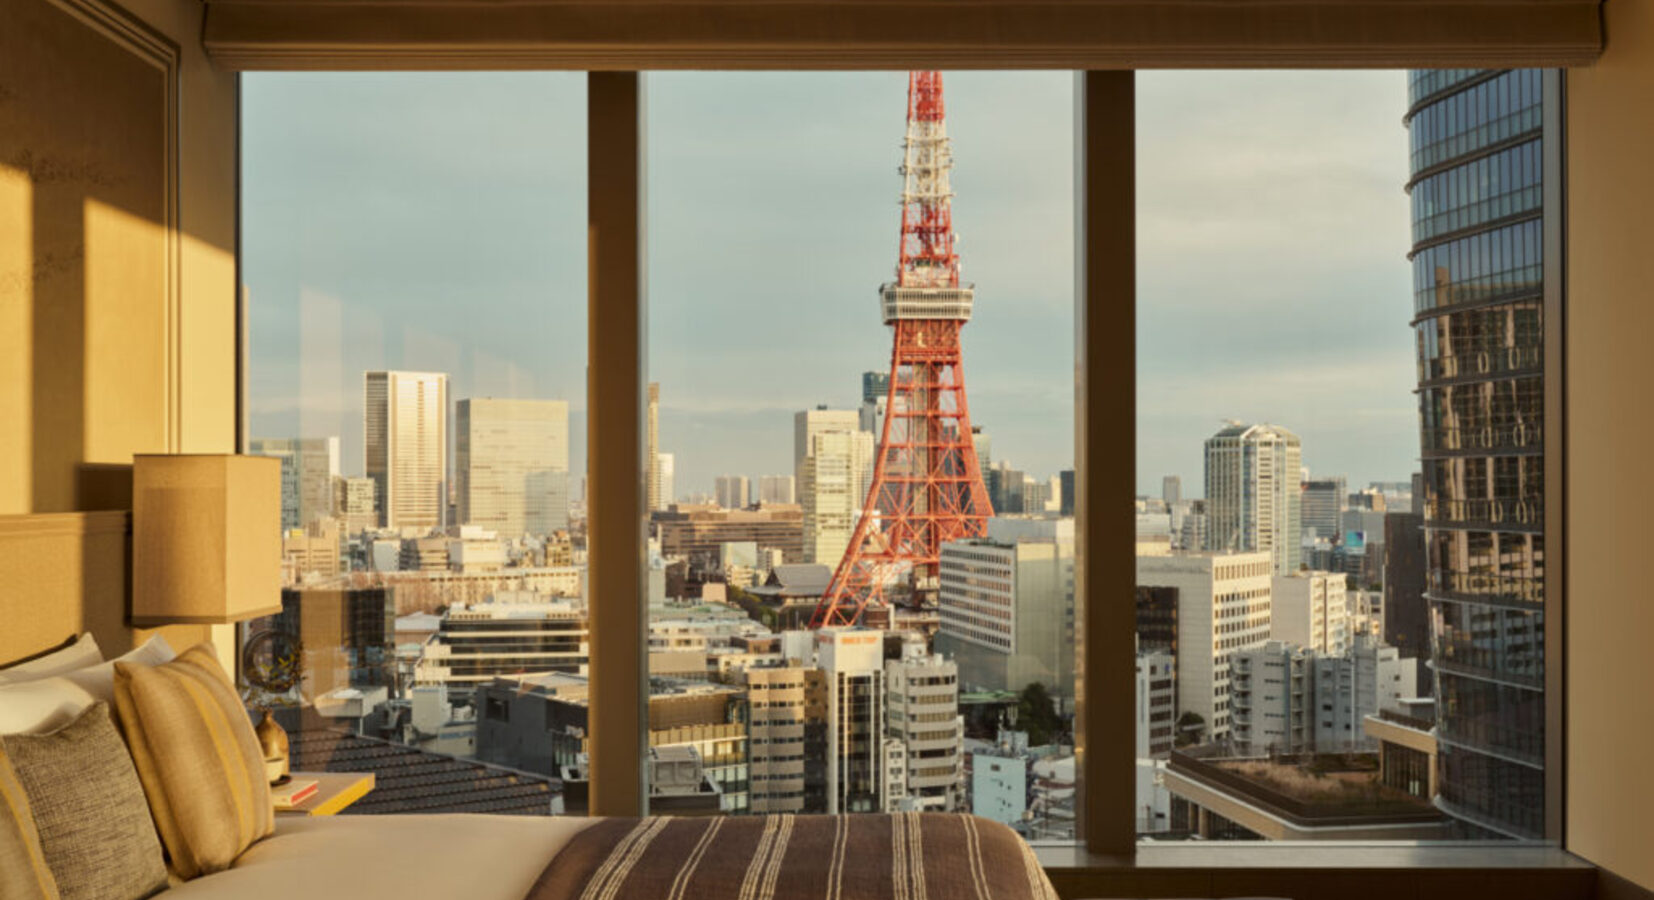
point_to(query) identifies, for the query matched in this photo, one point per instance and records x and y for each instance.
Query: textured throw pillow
(197, 757)
(24, 874)
(78, 655)
(95, 831)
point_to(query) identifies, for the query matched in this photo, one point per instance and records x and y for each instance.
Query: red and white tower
(927, 485)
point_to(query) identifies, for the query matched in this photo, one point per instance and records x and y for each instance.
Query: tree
(1037, 715)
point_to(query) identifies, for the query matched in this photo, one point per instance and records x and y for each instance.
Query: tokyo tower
(927, 485)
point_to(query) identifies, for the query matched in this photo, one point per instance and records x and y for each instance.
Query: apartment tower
(1252, 492)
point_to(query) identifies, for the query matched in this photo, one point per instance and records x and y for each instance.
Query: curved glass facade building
(1476, 193)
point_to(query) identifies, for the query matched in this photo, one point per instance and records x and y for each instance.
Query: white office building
(512, 465)
(1156, 703)
(1311, 610)
(1007, 605)
(832, 490)
(1223, 605)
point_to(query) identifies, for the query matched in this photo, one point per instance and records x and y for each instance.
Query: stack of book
(293, 794)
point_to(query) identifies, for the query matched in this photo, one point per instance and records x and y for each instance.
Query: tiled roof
(410, 780)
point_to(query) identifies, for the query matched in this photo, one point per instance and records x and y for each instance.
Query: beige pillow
(78, 655)
(24, 874)
(95, 832)
(197, 757)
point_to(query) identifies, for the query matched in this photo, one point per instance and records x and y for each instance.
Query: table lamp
(206, 538)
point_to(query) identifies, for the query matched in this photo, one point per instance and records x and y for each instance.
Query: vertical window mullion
(1105, 301)
(616, 524)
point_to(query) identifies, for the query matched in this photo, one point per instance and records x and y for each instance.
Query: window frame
(1105, 360)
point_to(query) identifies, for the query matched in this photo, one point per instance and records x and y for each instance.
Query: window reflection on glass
(414, 252)
(1385, 678)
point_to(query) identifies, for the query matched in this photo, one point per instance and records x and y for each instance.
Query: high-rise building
(780, 714)
(1323, 507)
(1156, 703)
(666, 480)
(1289, 699)
(1065, 490)
(405, 446)
(852, 662)
(1406, 618)
(653, 496)
(1252, 492)
(1171, 490)
(922, 712)
(831, 490)
(1478, 152)
(511, 465)
(1007, 606)
(808, 423)
(354, 504)
(777, 489)
(308, 467)
(1222, 606)
(1311, 610)
(730, 491)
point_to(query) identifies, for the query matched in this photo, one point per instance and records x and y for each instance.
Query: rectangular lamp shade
(206, 538)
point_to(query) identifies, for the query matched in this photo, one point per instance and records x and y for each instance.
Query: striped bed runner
(904, 856)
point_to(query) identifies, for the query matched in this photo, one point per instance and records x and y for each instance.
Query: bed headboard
(65, 573)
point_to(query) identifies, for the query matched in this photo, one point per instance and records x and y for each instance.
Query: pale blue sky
(436, 221)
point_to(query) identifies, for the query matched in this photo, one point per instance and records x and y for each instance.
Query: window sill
(1332, 869)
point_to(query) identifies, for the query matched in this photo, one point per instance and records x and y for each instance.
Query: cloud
(442, 215)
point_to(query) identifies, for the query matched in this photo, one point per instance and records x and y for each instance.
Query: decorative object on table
(272, 740)
(206, 538)
(272, 661)
(294, 792)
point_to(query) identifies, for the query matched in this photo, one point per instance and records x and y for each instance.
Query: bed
(904, 856)
(481, 857)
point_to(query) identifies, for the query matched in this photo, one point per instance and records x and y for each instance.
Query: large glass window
(413, 248)
(884, 418)
(1341, 551)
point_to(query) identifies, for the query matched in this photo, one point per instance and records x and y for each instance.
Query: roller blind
(870, 34)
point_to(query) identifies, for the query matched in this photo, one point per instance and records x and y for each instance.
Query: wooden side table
(334, 792)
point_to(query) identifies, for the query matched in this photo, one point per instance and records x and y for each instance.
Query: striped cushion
(198, 758)
(23, 872)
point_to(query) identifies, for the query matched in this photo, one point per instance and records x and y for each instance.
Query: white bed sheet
(441, 857)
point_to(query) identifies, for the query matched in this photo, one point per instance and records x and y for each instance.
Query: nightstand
(334, 792)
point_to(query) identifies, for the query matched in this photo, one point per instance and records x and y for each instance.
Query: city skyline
(341, 265)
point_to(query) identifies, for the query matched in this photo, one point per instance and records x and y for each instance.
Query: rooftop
(410, 780)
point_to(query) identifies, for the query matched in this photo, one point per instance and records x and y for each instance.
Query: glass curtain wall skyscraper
(1476, 143)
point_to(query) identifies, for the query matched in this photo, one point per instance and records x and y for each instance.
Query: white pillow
(99, 680)
(82, 653)
(46, 704)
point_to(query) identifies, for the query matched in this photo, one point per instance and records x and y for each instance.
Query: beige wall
(1610, 783)
(117, 262)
